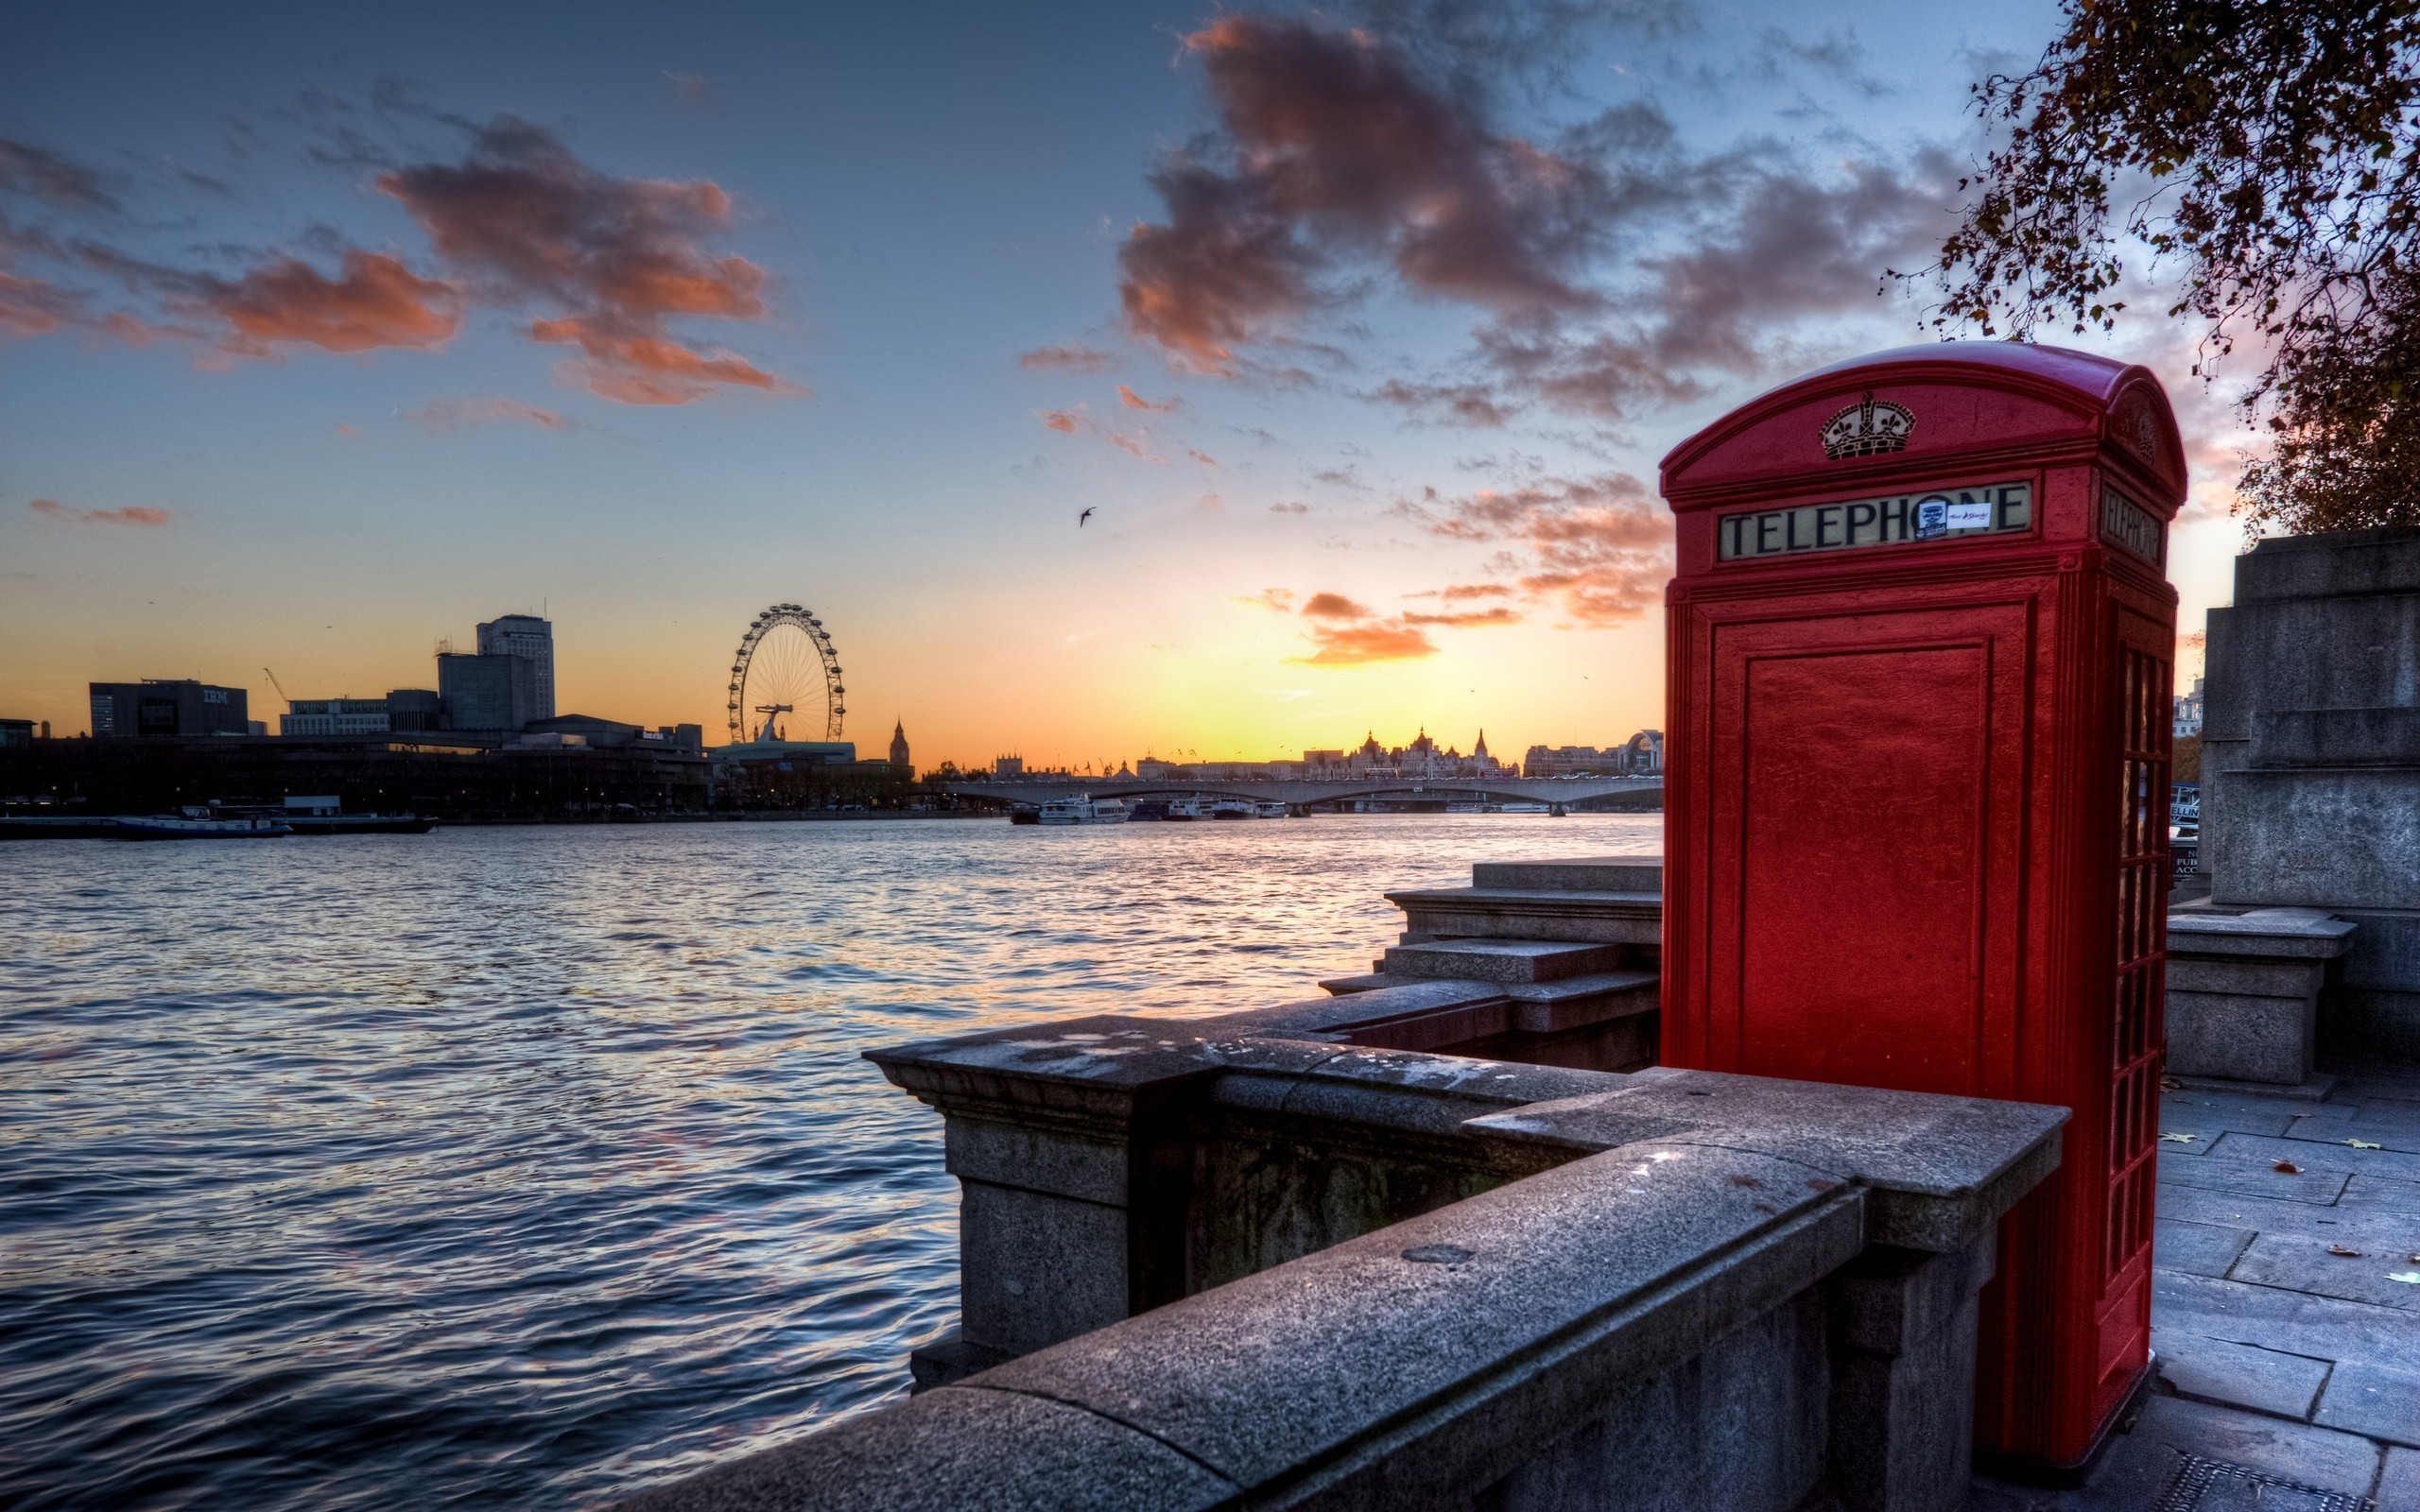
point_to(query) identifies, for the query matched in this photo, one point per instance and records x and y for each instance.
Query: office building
(414, 710)
(16, 734)
(333, 716)
(487, 692)
(168, 706)
(532, 639)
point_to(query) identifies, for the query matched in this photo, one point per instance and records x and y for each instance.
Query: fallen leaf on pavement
(2169, 1084)
(2364, 1145)
(2348, 1254)
(2289, 1168)
(2409, 1278)
(2179, 1139)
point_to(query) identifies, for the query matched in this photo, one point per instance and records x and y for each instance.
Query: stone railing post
(1071, 1148)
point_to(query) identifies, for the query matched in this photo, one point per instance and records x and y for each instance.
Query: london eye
(786, 678)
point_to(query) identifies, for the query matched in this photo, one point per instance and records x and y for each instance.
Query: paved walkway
(2285, 1311)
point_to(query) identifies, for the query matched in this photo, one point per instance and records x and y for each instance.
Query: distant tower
(532, 639)
(898, 743)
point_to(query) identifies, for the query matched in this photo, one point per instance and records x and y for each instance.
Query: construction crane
(280, 687)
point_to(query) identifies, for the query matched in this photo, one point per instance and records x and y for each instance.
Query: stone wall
(1212, 1263)
(2310, 756)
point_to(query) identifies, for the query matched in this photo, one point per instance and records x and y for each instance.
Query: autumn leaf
(2364, 1145)
(2409, 1278)
(2179, 1139)
(2289, 1168)
(2342, 1252)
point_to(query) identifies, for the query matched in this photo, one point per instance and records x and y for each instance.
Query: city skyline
(279, 389)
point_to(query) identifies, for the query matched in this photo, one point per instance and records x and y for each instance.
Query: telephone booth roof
(1970, 400)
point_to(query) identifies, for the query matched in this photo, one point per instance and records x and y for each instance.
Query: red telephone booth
(1916, 795)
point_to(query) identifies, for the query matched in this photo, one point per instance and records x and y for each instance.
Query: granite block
(1619, 874)
(1502, 960)
(1037, 1269)
(959, 1449)
(2205, 1249)
(2357, 1228)
(1058, 1161)
(2375, 1399)
(2206, 1124)
(2292, 1451)
(2398, 1132)
(2274, 979)
(2238, 1375)
(1632, 920)
(2399, 1483)
(1416, 1364)
(2241, 1036)
(1372, 1001)
(1941, 1169)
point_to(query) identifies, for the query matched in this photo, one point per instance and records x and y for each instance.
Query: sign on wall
(2131, 528)
(1943, 514)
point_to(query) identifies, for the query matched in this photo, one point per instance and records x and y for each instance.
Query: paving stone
(2389, 1233)
(2292, 1451)
(2251, 1179)
(2216, 1486)
(2321, 1327)
(2238, 1375)
(2379, 1401)
(2129, 1478)
(2396, 1133)
(1627, 874)
(2399, 1487)
(2301, 1262)
(2381, 1192)
(2312, 1154)
(2205, 1249)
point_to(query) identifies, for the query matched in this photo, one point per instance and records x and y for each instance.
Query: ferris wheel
(786, 678)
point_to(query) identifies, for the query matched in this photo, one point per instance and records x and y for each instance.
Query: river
(530, 1166)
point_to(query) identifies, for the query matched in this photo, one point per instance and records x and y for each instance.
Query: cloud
(453, 414)
(130, 515)
(1500, 614)
(1336, 147)
(1127, 444)
(689, 88)
(347, 431)
(1335, 606)
(1059, 421)
(373, 301)
(39, 174)
(1351, 645)
(1599, 547)
(1131, 400)
(1069, 356)
(1470, 404)
(521, 218)
(1290, 506)
(1202, 458)
(1280, 599)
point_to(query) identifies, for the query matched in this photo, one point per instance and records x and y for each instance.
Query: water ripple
(532, 1166)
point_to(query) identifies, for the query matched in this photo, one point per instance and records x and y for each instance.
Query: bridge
(1624, 793)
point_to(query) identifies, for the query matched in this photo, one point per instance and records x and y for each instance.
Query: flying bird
(1081, 518)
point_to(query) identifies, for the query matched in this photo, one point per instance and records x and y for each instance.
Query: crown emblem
(1866, 428)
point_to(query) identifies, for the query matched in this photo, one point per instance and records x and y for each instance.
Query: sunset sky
(327, 332)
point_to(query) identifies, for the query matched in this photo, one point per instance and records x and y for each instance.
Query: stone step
(1500, 960)
(1629, 874)
(1494, 913)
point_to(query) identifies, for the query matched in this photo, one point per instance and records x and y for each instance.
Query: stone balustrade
(1245, 1261)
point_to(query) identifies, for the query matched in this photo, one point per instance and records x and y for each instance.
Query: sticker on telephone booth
(1933, 518)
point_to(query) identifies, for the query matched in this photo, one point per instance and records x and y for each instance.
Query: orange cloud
(1349, 646)
(1335, 606)
(523, 218)
(453, 414)
(376, 302)
(1131, 400)
(343, 429)
(1071, 356)
(1467, 618)
(1059, 421)
(1281, 599)
(130, 515)
(1129, 446)
(1202, 458)
(1600, 547)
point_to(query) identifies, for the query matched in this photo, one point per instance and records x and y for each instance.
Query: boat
(1024, 816)
(1520, 808)
(194, 824)
(1146, 809)
(1233, 808)
(1183, 810)
(1081, 810)
(1272, 811)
